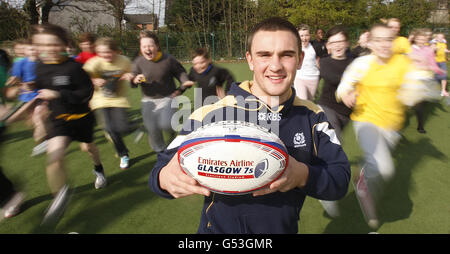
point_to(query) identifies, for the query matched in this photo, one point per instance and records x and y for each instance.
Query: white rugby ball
(233, 157)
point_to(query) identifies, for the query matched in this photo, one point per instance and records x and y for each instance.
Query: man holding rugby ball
(318, 166)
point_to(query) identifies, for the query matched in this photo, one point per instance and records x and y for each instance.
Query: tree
(321, 13)
(13, 23)
(412, 13)
(230, 20)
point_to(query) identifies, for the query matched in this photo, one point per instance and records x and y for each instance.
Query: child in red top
(87, 47)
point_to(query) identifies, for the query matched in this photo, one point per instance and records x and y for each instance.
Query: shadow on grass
(396, 203)
(103, 207)
(12, 137)
(430, 109)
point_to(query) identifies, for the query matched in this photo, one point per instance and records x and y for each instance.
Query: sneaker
(100, 180)
(39, 149)
(331, 208)
(366, 202)
(12, 208)
(124, 162)
(108, 137)
(138, 136)
(421, 130)
(57, 207)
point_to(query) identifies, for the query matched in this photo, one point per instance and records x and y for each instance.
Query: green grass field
(417, 200)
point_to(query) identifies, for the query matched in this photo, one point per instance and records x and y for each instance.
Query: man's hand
(178, 184)
(12, 81)
(175, 93)
(295, 176)
(139, 79)
(48, 95)
(98, 82)
(188, 83)
(349, 99)
(27, 86)
(127, 76)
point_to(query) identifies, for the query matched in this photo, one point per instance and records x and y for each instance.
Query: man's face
(50, 48)
(305, 36)
(106, 53)
(380, 42)
(200, 64)
(149, 49)
(87, 46)
(30, 51)
(421, 40)
(440, 37)
(395, 27)
(274, 60)
(337, 45)
(319, 34)
(19, 50)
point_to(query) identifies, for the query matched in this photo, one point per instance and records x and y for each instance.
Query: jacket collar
(243, 90)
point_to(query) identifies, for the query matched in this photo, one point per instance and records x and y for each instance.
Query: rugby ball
(233, 157)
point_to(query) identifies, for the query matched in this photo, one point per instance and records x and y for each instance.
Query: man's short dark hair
(274, 24)
(303, 27)
(201, 52)
(151, 35)
(87, 37)
(339, 29)
(51, 29)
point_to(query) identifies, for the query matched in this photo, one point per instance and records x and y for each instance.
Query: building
(141, 21)
(440, 16)
(83, 16)
(87, 16)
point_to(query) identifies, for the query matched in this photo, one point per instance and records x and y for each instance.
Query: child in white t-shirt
(307, 78)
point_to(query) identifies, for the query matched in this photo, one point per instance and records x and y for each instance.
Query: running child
(106, 71)
(21, 84)
(87, 46)
(67, 88)
(155, 71)
(307, 77)
(424, 57)
(213, 81)
(374, 86)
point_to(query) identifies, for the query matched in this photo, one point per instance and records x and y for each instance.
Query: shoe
(366, 202)
(100, 180)
(421, 130)
(58, 206)
(138, 136)
(124, 162)
(444, 94)
(12, 208)
(39, 149)
(331, 208)
(108, 137)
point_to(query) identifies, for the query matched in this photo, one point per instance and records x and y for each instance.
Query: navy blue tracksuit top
(309, 138)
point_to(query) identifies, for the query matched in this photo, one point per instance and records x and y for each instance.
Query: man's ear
(248, 55)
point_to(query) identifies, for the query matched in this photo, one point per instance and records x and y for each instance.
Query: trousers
(116, 123)
(157, 115)
(376, 144)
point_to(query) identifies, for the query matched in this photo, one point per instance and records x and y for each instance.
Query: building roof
(140, 18)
